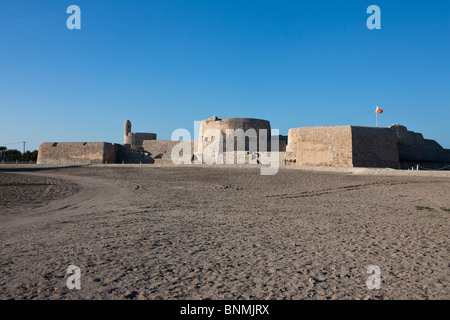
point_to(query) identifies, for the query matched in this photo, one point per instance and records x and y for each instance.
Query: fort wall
(322, 146)
(374, 147)
(412, 147)
(140, 138)
(161, 150)
(67, 153)
(344, 146)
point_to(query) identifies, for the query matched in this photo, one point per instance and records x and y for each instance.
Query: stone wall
(282, 143)
(69, 153)
(412, 147)
(343, 146)
(140, 137)
(374, 147)
(291, 146)
(322, 146)
(161, 150)
(122, 153)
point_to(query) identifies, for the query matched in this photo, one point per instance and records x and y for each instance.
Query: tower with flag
(378, 110)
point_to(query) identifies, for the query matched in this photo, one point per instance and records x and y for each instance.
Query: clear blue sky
(163, 64)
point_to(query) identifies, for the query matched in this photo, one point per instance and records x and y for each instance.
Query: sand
(163, 232)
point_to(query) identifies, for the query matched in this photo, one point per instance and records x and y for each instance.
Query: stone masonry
(344, 146)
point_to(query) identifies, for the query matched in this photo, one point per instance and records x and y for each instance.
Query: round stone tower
(128, 136)
(226, 124)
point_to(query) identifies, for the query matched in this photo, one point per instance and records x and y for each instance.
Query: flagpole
(377, 111)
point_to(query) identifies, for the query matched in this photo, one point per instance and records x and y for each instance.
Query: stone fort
(339, 146)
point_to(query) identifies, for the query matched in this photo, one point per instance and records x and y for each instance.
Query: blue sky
(165, 64)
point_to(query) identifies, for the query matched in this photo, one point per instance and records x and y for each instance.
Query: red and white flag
(378, 110)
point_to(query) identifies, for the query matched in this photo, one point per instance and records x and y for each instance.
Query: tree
(34, 155)
(29, 156)
(11, 155)
(2, 150)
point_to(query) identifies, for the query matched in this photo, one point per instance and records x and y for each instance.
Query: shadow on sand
(18, 169)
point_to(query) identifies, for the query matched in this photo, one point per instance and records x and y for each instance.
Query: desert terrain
(224, 232)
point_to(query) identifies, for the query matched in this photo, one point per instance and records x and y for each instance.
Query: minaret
(128, 136)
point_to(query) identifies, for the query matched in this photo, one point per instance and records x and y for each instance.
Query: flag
(378, 110)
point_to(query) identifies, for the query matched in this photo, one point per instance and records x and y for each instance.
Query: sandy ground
(161, 232)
